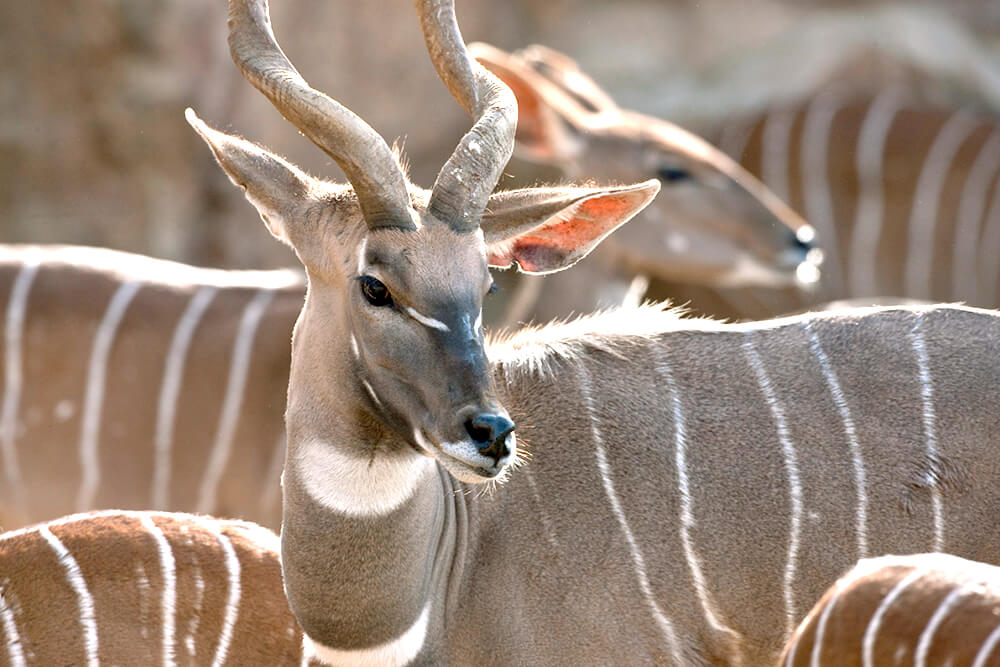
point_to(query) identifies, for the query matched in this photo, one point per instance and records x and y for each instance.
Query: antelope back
(144, 588)
(923, 609)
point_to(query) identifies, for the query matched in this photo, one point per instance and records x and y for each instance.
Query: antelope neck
(372, 585)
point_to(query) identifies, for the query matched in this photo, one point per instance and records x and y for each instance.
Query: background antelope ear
(276, 188)
(564, 73)
(549, 229)
(549, 128)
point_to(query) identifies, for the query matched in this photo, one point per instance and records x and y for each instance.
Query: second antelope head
(713, 223)
(390, 340)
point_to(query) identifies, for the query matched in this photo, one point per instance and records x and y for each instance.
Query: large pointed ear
(549, 127)
(276, 188)
(564, 73)
(549, 229)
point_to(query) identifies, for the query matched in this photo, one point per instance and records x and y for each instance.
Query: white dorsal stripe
(930, 425)
(775, 142)
(239, 368)
(857, 458)
(666, 626)
(986, 650)
(427, 321)
(84, 601)
(168, 599)
(173, 375)
(93, 401)
(919, 259)
(394, 653)
(940, 614)
(357, 486)
(794, 482)
(14, 375)
(871, 631)
(863, 253)
(971, 208)
(687, 521)
(15, 652)
(818, 202)
(232, 599)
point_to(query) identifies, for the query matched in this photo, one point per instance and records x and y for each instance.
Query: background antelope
(901, 196)
(144, 588)
(140, 383)
(781, 455)
(697, 230)
(925, 609)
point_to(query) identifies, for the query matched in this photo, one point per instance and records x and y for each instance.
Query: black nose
(804, 238)
(489, 432)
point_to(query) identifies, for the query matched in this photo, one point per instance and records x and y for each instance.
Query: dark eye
(673, 174)
(494, 288)
(375, 291)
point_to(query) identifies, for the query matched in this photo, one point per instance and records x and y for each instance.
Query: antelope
(144, 588)
(152, 385)
(902, 197)
(105, 350)
(713, 224)
(923, 609)
(692, 486)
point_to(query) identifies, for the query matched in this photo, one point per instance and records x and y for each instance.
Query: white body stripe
(863, 253)
(232, 600)
(971, 208)
(930, 426)
(14, 375)
(393, 653)
(638, 562)
(871, 631)
(919, 259)
(687, 521)
(168, 572)
(358, 486)
(199, 596)
(794, 482)
(239, 368)
(15, 652)
(173, 375)
(857, 458)
(84, 601)
(93, 401)
(427, 321)
(543, 515)
(775, 142)
(986, 650)
(940, 614)
(818, 202)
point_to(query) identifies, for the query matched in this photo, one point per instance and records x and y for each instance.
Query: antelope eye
(494, 288)
(375, 291)
(672, 174)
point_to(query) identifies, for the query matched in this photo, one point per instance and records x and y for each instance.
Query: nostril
(489, 432)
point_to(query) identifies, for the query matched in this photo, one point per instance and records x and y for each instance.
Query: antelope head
(391, 327)
(713, 223)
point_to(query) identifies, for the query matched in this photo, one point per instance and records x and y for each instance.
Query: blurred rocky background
(94, 148)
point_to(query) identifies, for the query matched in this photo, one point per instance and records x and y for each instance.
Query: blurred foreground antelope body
(144, 588)
(924, 609)
(135, 382)
(692, 486)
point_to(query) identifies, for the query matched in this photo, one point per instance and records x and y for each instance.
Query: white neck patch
(393, 653)
(356, 486)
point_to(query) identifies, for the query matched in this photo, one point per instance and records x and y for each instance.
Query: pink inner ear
(568, 237)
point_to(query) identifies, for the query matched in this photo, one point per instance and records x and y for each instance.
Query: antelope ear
(549, 129)
(275, 187)
(549, 229)
(564, 72)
